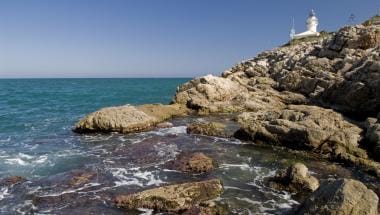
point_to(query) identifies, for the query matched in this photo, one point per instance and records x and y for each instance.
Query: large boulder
(309, 128)
(302, 127)
(210, 94)
(127, 119)
(295, 179)
(172, 198)
(341, 197)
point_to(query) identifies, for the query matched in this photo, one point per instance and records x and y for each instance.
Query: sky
(153, 38)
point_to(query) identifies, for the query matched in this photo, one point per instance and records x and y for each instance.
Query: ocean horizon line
(15, 78)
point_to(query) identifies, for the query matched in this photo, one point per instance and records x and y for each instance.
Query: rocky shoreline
(320, 95)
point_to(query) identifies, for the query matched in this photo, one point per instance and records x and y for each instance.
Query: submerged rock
(194, 163)
(127, 119)
(295, 179)
(12, 180)
(172, 198)
(341, 197)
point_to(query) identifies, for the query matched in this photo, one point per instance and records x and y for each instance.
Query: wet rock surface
(341, 197)
(209, 129)
(13, 180)
(192, 163)
(172, 198)
(295, 179)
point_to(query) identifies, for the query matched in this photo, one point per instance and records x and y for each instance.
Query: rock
(172, 198)
(373, 138)
(358, 91)
(81, 178)
(295, 179)
(164, 125)
(341, 197)
(9, 181)
(302, 127)
(194, 163)
(209, 129)
(309, 128)
(209, 94)
(127, 119)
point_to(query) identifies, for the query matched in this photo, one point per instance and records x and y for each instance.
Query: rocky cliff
(310, 94)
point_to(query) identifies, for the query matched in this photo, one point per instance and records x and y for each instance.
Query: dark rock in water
(193, 163)
(81, 178)
(341, 197)
(128, 119)
(295, 179)
(373, 138)
(12, 180)
(209, 209)
(209, 129)
(172, 198)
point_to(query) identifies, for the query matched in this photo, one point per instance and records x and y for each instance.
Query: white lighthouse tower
(311, 24)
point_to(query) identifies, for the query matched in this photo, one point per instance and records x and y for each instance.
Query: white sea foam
(235, 188)
(16, 161)
(4, 192)
(134, 176)
(86, 186)
(145, 211)
(242, 166)
(22, 159)
(172, 130)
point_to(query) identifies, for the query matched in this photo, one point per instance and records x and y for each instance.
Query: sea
(37, 143)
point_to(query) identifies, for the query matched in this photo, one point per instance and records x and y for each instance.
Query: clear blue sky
(152, 38)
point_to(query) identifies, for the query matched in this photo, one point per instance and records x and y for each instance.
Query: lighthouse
(311, 25)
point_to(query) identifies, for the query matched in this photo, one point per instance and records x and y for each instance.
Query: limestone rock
(209, 93)
(209, 129)
(193, 163)
(301, 127)
(295, 179)
(127, 119)
(172, 198)
(341, 197)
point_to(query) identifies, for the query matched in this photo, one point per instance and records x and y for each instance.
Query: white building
(311, 25)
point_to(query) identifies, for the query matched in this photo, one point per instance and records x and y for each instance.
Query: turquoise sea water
(36, 117)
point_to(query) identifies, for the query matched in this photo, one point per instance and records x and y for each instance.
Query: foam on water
(22, 159)
(4, 192)
(135, 176)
